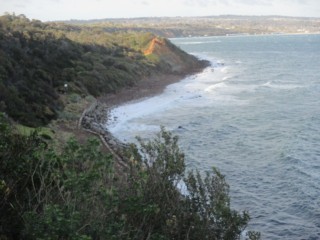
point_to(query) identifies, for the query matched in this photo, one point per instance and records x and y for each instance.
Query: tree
(79, 193)
(204, 212)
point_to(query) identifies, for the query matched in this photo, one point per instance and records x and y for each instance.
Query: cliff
(40, 62)
(176, 60)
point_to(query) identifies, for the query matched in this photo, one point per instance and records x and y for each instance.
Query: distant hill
(39, 61)
(209, 26)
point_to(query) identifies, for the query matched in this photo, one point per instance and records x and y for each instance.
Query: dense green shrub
(204, 211)
(79, 193)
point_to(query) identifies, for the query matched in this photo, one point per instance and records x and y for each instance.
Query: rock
(112, 142)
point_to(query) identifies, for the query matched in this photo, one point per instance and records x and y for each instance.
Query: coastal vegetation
(77, 193)
(39, 61)
(73, 188)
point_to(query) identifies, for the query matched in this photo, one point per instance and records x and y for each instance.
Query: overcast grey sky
(93, 9)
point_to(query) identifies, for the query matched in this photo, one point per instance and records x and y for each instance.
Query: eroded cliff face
(176, 60)
(154, 43)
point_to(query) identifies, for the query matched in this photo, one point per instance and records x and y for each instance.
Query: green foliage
(53, 223)
(210, 203)
(19, 160)
(37, 59)
(46, 195)
(203, 213)
(77, 193)
(46, 133)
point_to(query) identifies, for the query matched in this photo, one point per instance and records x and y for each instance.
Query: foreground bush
(79, 193)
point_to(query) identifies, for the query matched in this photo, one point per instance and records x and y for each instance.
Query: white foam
(190, 43)
(198, 42)
(226, 78)
(215, 87)
(224, 70)
(270, 84)
(201, 89)
(123, 114)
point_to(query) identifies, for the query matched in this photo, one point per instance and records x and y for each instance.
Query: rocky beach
(95, 118)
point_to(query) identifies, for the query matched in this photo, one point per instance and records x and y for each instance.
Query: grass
(43, 131)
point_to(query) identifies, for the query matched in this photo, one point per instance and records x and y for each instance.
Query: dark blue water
(256, 116)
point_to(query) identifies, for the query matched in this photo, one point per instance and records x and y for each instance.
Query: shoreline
(146, 87)
(94, 119)
(143, 89)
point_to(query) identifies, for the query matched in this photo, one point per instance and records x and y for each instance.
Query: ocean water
(255, 115)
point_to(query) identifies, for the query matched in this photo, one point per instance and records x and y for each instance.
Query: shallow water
(255, 114)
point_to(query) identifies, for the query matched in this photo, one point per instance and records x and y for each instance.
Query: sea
(255, 115)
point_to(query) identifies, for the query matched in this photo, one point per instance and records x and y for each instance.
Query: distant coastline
(251, 35)
(173, 27)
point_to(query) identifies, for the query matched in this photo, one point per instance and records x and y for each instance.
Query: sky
(50, 10)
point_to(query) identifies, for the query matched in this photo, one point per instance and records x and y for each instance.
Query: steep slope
(163, 51)
(40, 61)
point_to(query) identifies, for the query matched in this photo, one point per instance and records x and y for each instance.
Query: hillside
(39, 62)
(59, 182)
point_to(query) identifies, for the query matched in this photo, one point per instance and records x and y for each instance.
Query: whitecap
(267, 84)
(215, 86)
(123, 114)
(198, 42)
(273, 85)
(226, 78)
(190, 43)
(224, 70)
